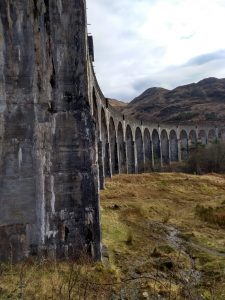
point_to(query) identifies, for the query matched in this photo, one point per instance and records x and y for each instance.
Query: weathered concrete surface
(48, 173)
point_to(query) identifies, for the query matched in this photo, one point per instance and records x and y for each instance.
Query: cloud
(145, 43)
(206, 58)
(197, 68)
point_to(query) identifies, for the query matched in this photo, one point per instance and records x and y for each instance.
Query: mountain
(117, 103)
(196, 102)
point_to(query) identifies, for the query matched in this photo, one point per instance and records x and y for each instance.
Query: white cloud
(140, 40)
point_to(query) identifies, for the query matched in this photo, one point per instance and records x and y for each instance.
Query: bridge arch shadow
(173, 146)
(212, 138)
(148, 150)
(121, 149)
(202, 137)
(105, 144)
(165, 147)
(222, 135)
(184, 145)
(130, 150)
(156, 148)
(139, 150)
(113, 147)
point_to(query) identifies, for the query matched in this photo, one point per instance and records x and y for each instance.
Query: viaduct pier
(59, 136)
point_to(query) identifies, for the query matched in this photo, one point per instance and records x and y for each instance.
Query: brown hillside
(117, 103)
(199, 102)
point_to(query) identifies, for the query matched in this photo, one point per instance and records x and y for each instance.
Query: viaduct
(127, 145)
(59, 136)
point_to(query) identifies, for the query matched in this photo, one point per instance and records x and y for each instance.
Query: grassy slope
(138, 213)
(151, 232)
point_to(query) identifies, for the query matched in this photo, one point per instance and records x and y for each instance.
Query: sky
(146, 43)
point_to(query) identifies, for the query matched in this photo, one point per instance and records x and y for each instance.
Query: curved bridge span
(127, 145)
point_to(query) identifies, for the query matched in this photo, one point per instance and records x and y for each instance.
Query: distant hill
(197, 102)
(117, 103)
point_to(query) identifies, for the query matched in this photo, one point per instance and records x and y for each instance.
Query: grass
(148, 205)
(158, 241)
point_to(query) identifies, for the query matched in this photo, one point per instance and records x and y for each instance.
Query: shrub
(206, 159)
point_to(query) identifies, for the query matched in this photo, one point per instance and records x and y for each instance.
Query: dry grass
(154, 239)
(149, 204)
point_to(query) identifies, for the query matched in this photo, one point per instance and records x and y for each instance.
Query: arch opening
(113, 147)
(140, 150)
(122, 149)
(130, 150)
(105, 145)
(148, 150)
(212, 136)
(165, 147)
(202, 137)
(184, 145)
(192, 140)
(156, 148)
(222, 135)
(173, 146)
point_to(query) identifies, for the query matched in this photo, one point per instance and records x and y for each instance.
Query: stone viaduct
(60, 138)
(127, 145)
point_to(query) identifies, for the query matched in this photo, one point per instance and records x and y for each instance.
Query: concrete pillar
(160, 149)
(118, 158)
(101, 166)
(169, 151)
(143, 150)
(117, 165)
(135, 158)
(130, 147)
(217, 134)
(124, 166)
(107, 161)
(179, 149)
(187, 148)
(152, 152)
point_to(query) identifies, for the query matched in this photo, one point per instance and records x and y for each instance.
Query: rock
(145, 295)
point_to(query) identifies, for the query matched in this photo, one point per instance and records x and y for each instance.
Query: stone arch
(165, 147)
(130, 150)
(193, 139)
(113, 146)
(105, 144)
(202, 137)
(183, 145)
(173, 146)
(148, 150)
(222, 135)
(140, 150)
(212, 136)
(156, 148)
(122, 149)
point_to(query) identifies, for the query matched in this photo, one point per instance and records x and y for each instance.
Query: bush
(206, 159)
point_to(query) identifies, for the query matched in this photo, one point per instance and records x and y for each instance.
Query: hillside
(167, 229)
(117, 103)
(199, 102)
